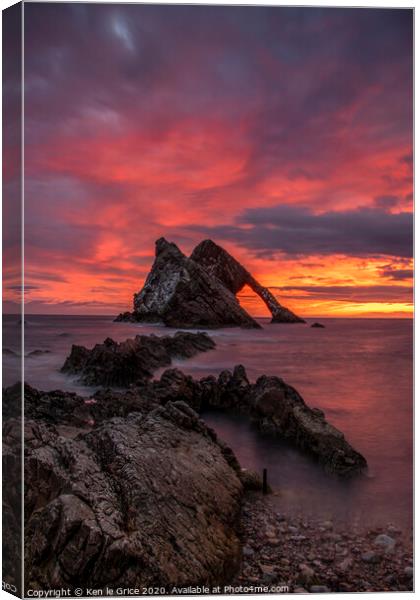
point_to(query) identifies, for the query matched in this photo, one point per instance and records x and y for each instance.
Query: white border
(319, 3)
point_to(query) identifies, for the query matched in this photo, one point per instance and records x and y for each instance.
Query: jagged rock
(180, 293)
(277, 409)
(221, 265)
(56, 407)
(134, 360)
(271, 404)
(280, 410)
(151, 499)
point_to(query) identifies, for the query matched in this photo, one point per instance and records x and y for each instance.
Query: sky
(283, 134)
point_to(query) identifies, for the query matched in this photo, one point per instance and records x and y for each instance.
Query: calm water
(359, 371)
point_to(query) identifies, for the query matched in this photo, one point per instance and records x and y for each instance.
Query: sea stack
(220, 264)
(199, 291)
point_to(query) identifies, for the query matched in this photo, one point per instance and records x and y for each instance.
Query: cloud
(397, 274)
(294, 230)
(352, 293)
(278, 130)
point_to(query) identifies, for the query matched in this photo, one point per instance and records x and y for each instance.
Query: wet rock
(318, 325)
(135, 360)
(279, 410)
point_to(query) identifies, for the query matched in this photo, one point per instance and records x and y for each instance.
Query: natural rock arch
(234, 276)
(200, 291)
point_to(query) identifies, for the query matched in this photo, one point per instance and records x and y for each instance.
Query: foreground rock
(306, 555)
(220, 264)
(199, 291)
(148, 499)
(318, 325)
(135, 360)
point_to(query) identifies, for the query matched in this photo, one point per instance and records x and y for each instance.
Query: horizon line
(254, 316)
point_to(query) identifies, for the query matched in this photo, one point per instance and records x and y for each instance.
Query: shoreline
(315, 556)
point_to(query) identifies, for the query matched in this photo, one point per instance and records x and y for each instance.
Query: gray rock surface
(148, 499)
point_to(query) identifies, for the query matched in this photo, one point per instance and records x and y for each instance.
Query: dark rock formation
(318, 325)
(199, 291)
(271, 404)
(134, 360)
(150, 499)
(220, 264)
(277, 409)
(180, 293)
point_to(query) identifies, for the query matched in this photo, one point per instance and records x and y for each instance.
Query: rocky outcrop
(272, 405)
(199, 291)
(220, 264)
(318, 325)
(277, 409)
(180, 293)
(134, 360)
(146, 499)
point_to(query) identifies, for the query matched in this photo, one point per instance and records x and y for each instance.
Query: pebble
(385, 541)
(319, 589)
(370, 557)
(267, 569)
(332, 560)
(343, 586)
(393, 530)
(306, 573)
(345, 564)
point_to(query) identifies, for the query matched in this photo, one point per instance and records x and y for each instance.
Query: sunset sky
(284, 134)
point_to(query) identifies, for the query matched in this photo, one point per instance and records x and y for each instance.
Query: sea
(358, 371)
